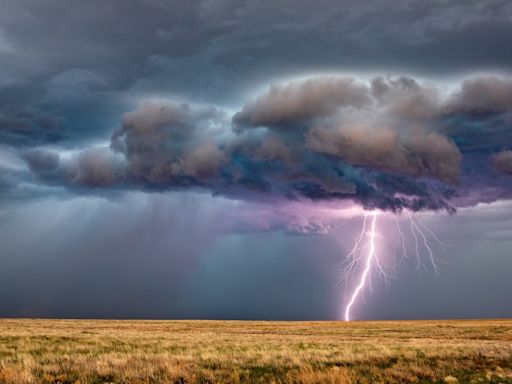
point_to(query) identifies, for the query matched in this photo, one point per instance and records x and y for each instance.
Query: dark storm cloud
(71, 69)
(117, 38)
(30, 127)
(66, 63)
(399, 34)
(123, 37)
(216, 50)
(89, 168)
(387, 144)
(41, 161)
(69, 107)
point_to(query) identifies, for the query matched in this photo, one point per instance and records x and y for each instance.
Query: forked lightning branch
(364, 262)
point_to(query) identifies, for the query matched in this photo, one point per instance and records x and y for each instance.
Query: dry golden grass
(97, 351)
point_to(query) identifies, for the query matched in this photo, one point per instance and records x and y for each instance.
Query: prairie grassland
(104, 351)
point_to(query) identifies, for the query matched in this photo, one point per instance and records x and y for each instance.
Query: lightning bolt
(364, 253)
(369, 260)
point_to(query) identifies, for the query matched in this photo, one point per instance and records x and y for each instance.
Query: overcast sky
(216, 158)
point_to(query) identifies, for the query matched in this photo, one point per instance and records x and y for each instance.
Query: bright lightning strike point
(364, 253)
(369, 260)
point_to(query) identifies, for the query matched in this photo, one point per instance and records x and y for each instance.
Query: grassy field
(97, 351)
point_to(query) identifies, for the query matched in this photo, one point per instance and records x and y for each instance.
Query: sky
(219, 158)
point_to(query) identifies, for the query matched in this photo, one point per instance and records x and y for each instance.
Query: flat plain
(154, 351)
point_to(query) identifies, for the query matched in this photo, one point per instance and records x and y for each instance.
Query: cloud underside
(390, 144)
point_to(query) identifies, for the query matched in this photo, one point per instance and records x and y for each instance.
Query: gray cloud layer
(67, 66)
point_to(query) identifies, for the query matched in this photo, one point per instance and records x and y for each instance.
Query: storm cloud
(68, 70)
(388, 143)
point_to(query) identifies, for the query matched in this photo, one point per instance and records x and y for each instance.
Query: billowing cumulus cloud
(94, 167)
(390, 143)
(483, 95)
(42, 161)
(299, 102)
(405, 98)
(382, 148)
(171, 143)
